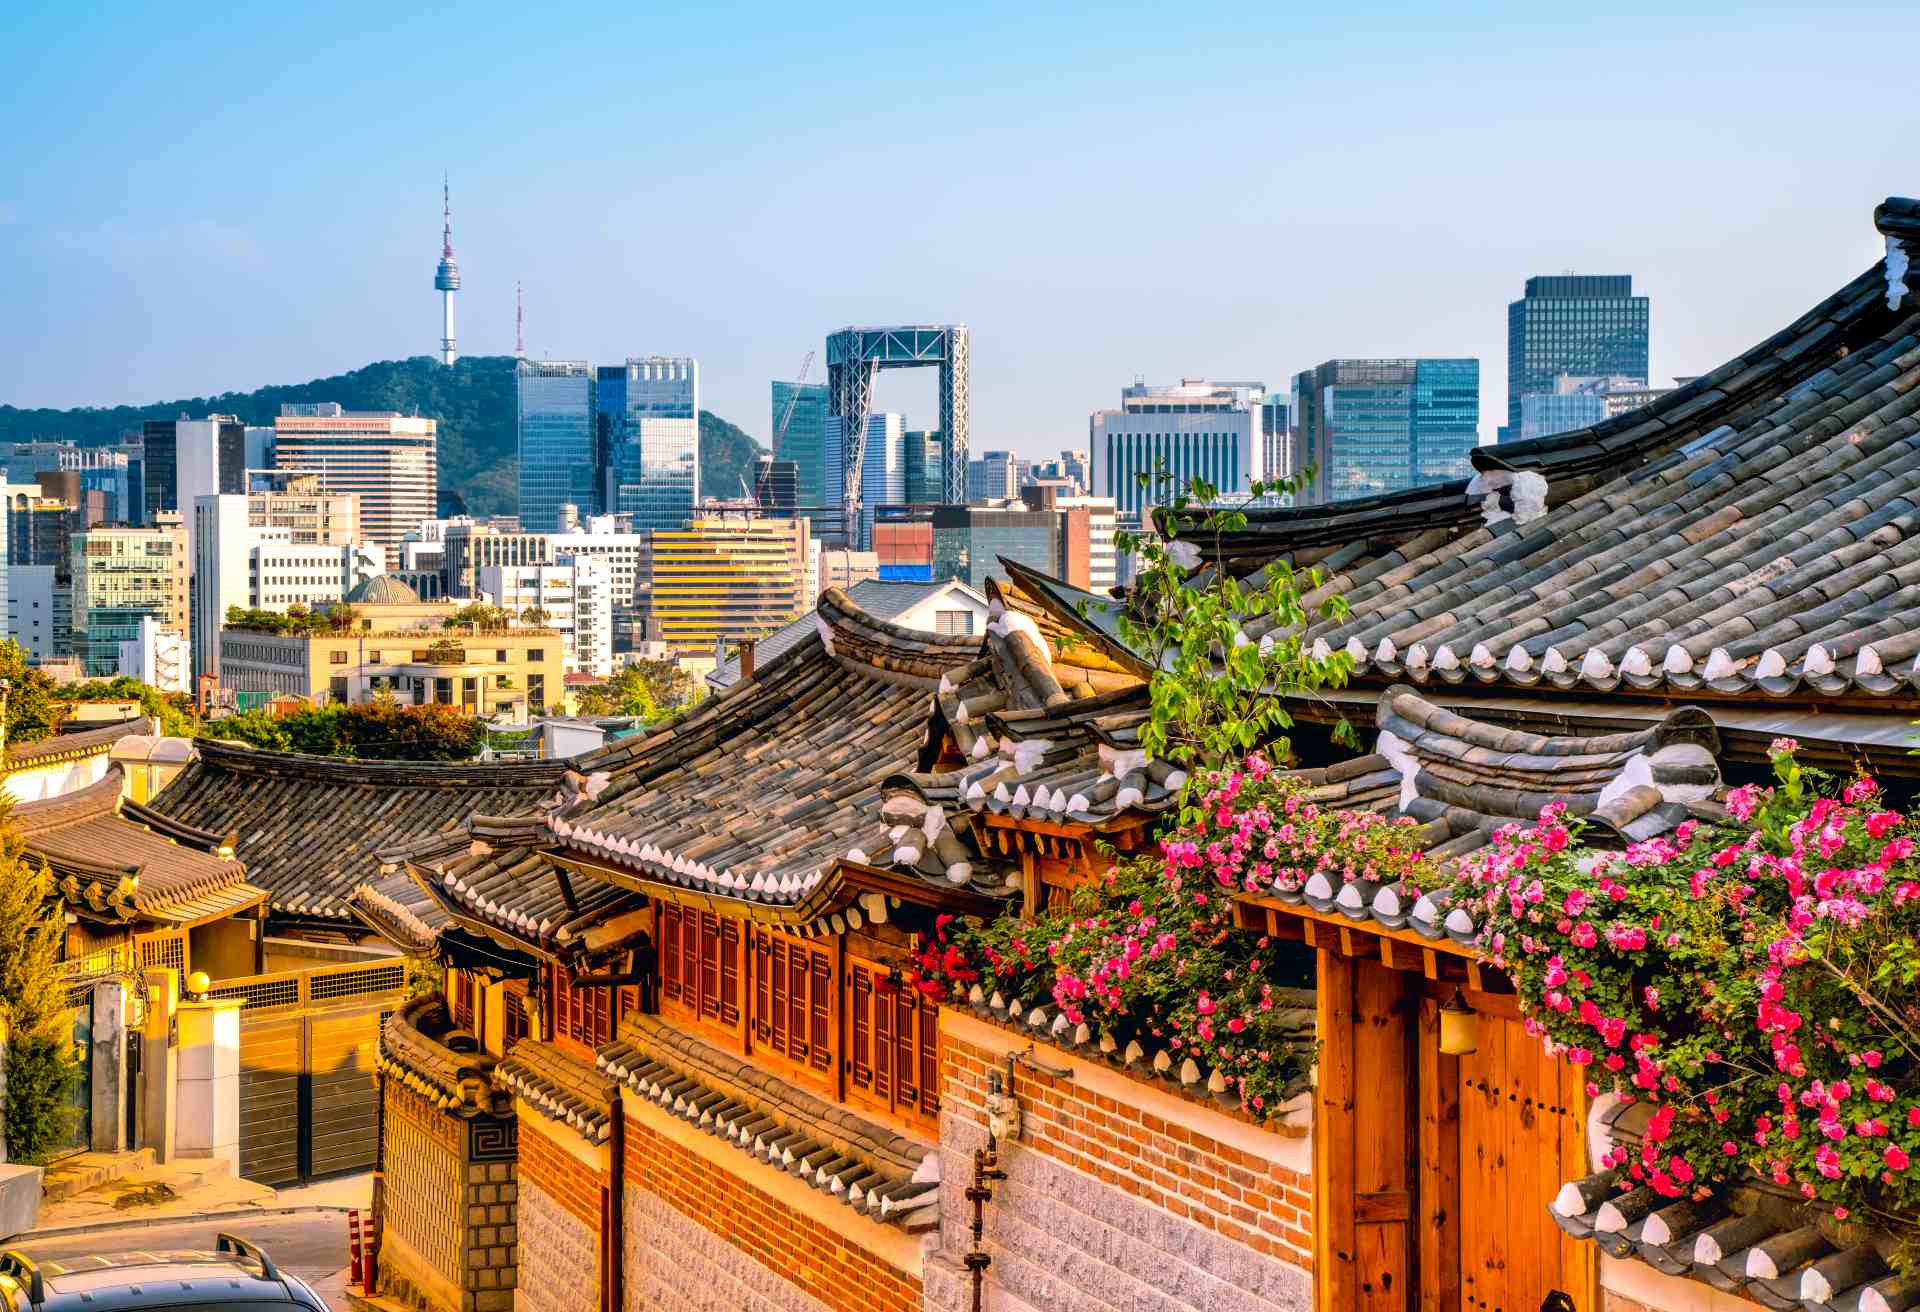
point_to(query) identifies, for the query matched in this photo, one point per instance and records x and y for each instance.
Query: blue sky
(194, 201)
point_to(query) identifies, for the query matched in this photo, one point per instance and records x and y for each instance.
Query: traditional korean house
(1615, 619)
(319, 980)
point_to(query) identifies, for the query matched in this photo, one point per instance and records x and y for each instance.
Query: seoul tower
(447, 277)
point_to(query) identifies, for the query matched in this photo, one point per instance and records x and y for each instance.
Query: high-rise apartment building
(119, 575)
(1363, 427)
(647, 419)
(1195, 429)
(385, 458)
(561, 455)
(188, 458)
(1586, 325)
(803, 406)
(727, 576)
(624, 554)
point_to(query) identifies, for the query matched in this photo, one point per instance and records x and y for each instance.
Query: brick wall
(1118, 1194)
(558, 1224)
(700, 1238)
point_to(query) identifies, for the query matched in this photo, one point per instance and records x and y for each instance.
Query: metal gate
(80, 1124)
(309, 1104)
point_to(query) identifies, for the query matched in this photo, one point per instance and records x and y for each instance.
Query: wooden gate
(1432, 1173)
(309, 1104)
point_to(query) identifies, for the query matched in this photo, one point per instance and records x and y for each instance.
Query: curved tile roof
(79, 742)
(311, 828)
(117, 861)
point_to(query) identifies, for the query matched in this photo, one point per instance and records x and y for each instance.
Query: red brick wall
(559, 1174)
(1242, 1197)
(804, 1249)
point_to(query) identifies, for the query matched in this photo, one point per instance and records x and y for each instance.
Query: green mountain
(473, 402)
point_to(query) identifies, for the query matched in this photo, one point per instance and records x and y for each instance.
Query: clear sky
(194, 201)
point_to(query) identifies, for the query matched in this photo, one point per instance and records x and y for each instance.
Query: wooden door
(1520, 1134)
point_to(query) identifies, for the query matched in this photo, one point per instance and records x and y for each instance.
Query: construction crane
(786, 416)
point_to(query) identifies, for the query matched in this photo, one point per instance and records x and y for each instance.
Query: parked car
(237, 1276)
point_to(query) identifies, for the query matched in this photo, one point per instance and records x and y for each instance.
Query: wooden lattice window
(792, 1000)
(583, 1015)
(513, 1017)
(700, 965)
(893, 1056)
(462, 986)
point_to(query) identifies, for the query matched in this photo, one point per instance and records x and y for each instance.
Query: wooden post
(1439, 1181)
(1333, 1192)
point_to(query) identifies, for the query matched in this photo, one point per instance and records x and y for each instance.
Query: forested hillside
(473, 402)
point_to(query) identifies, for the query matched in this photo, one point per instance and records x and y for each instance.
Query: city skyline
(190, 215)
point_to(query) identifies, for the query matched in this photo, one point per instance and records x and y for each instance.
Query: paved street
(311, 1245)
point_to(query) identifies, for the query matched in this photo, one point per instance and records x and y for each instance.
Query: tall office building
(1587, 325)
(647, 412)
(926, 466)
(883, 476)
(775, 486)
(1582, 402)
(995, 476)
(269, 551)
(188, 458)
(804, 441)
(119, 575)
(969, 542)
(385, 458)
(1196, 429)
(1276, 460)
(727, 577)
(559, 454)
(1363, 427)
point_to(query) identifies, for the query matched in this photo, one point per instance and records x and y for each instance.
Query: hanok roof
(310, 828)
(117, 861)
(74, 744)
(760, 791)
(422, 1048)
(1756, 532)
(1748, 1239)
(514, 890)
(865, 1165)
(879, 598)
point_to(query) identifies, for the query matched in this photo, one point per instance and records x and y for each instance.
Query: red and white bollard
(357, 1265)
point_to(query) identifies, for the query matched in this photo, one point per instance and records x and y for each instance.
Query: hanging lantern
(1459, 1028)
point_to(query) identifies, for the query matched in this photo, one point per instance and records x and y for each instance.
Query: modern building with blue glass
(557, 446)
(883, 476)
(804, 408)
(1582, 325)
(651, 405)
(1363, 427)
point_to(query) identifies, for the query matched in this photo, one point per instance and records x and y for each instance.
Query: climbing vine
(1754, 980)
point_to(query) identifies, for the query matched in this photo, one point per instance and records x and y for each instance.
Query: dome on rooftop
(383, 590)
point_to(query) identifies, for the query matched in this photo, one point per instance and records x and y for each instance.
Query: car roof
(152, 1278)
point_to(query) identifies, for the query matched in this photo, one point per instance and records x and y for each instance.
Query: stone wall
(560, 1198)
(711, 1229)
(1119, 1194)
(449, 1197)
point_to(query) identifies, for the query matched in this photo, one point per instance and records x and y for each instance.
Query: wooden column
(1439, 1177)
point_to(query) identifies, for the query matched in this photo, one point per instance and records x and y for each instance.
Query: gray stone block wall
(492, 1221)
(673, 1264)
(559, 1260)
(1065, 1241)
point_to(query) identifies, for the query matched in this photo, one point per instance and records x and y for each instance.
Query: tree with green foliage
(42, 1066)
(479, 614)
(534, 616)
(652, 690)
(380, 730)
(256, 728)
(172, 711)
(32, 713)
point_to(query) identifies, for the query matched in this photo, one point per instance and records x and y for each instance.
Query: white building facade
(1195, 429)
(157, 657)
(574, 596)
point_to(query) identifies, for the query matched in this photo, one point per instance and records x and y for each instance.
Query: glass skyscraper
(1363, 427)
(805, 440)
(557, 431)
(1584, 325)
(926, 465)
(883, 476)
(649, 416)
